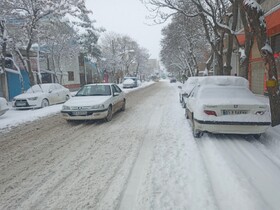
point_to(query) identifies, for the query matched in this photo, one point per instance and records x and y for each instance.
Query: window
(70, 76)
(116, 89)
(275, 43)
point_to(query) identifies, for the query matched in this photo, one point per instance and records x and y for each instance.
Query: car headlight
(32, 98)
(65, 107)
(99, 106)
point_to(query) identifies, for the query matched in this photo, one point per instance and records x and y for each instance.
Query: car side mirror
(180, 87)
(116, 94)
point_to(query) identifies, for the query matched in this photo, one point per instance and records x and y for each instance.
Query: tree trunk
(255, 18)
(249, 40)
(3, 61)
(228, 67)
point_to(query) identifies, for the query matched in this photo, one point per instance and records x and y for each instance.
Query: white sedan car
(3, 106)
(42, 95)
(130, 82)
(95, 101)
(226, 105)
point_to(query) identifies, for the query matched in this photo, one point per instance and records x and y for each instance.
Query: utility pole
(85, 70)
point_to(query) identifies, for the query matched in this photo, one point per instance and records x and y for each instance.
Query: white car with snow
(41, 95)
(95, 101)
(3, 106)
(130, 82)
(186, 88)
(224, 104)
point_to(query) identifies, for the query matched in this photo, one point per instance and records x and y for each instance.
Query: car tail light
(260, 112)
(210, 112)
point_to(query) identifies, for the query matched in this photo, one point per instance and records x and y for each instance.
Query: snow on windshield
(95, 90)
(39, 88)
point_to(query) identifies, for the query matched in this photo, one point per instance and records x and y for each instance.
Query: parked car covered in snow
(224, 104)
(186, 88)
(41, 95)
(95, 101)
(130, 82)
(3, 106)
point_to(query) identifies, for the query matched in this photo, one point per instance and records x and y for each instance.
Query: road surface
(145, 158)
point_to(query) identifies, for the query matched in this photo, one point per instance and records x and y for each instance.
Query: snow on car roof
(128, 81)
(224, 81)
(40, 87)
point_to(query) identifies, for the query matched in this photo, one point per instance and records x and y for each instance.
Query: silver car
(41, 95)
(95, 101)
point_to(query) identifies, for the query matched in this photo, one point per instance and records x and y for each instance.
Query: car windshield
(95, 90)
(38, 88)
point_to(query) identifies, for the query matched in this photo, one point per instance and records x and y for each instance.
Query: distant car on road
(3, 106)
(186, 88)
(173, 80)
(95, 101)
(41, 95)
(130, 82)
(224, 104)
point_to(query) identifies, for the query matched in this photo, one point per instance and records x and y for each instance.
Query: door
(118, 99)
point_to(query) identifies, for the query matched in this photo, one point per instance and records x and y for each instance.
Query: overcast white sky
(127, 17)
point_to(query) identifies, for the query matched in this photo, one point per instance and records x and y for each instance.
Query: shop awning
(273, 23)
(241, 39)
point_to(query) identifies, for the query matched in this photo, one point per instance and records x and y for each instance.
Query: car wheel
(186, 114)
(123, 106)
(44, 103)
(196, 133)
(110, 114)
(183, 104)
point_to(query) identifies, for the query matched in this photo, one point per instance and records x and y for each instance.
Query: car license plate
(80, 113)
(20, 103)
(233, 112)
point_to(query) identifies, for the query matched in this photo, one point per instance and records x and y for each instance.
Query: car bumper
(129, 86)
(90, 115)
(3, 111)
(232, 127)
(26, 104)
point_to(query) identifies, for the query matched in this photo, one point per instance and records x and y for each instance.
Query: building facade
(257, 73)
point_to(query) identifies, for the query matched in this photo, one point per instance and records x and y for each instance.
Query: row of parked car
(92, 101)
(223, 104)
(37, 96)
(131, 82)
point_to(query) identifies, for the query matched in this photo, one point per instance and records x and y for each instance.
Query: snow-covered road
(145, 158)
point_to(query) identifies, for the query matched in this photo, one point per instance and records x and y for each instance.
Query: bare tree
(257, 23)
(211, 13)
(123, 55)
(59, 38)
(182, 50)
(31, 13)
(3, 49)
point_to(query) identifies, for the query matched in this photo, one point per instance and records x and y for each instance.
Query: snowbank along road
(145, 158)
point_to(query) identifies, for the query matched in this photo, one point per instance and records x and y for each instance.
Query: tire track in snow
(227, 185)
(137, 175)
(251, 181)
